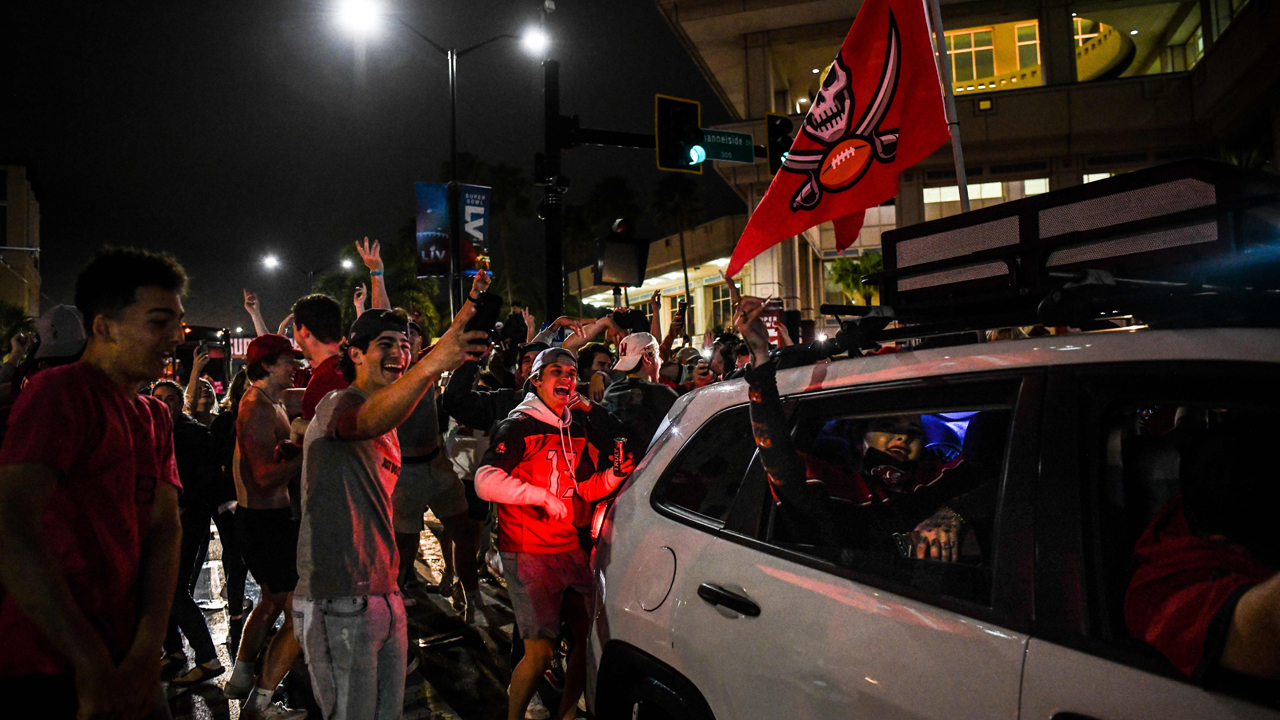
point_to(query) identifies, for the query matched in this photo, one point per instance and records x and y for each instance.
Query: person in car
(896, 498)
(1205, 590)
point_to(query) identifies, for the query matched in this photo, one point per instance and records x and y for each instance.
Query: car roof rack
(1188, 244)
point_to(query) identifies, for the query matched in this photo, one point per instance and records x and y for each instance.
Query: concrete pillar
(759, 75)
(1057, 43)
(910, 202)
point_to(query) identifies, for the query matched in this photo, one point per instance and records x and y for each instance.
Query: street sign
(728, 146)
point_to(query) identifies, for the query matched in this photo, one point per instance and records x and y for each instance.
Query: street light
(271, 262)
(361, 17)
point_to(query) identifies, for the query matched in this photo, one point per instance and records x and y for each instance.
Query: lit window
(972, 55)
(1086, 30)
(1094, 177)
(951, 193)
(1035, 186)
(721, 309)
(1028, 38)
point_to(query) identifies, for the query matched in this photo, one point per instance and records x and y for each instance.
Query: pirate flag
(879, 111)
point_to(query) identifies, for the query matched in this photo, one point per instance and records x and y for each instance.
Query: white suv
(707, 608)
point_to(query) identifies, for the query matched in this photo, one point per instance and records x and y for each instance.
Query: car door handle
(717, 595)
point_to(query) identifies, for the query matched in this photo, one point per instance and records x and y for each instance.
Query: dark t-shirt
(110, 449)
(640, 406)
(198, 464)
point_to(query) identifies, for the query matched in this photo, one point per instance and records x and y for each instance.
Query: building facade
(19, 241)
(1049, 94)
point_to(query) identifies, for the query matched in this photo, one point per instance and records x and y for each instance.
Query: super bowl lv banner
(433, 228)
(879, 111)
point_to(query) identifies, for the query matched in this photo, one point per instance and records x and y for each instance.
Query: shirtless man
(266, 461)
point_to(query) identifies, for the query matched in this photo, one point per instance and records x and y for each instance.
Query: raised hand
(198, 362)
(748, 323)
(457, 345)
(285, 323)
(655, 302)
(370, 253)
(480, 283)
(18, 346)
(361, 292)
(251, 302)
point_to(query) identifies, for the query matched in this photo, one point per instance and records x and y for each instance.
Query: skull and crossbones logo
(847, 148)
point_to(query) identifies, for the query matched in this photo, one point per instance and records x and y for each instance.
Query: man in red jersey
(89, 529)
(539, 468)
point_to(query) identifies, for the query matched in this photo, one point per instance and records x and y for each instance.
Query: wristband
(473, 298)
(375, 273)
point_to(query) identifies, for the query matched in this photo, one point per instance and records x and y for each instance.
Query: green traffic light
(697, 154)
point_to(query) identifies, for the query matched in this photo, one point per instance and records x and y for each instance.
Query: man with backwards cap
(538, 468)
(638, 400)
(350, 617)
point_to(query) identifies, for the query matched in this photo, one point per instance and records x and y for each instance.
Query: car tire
(647, 698)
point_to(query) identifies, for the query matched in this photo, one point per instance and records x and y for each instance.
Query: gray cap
(554, 355)
(61, 332)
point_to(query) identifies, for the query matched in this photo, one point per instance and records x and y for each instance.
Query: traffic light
(678, 134)
(777, 139)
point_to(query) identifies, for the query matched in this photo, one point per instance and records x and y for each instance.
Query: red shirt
(110, 449)
(325, 378)
(1181, 581)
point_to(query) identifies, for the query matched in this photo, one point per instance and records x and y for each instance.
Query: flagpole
(953, 125)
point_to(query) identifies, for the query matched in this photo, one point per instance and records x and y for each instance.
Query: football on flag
(879, 111)
(845, 164)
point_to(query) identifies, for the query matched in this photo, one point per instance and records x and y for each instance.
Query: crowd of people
(319, 462)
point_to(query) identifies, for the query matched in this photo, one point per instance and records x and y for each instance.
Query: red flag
(879, 111)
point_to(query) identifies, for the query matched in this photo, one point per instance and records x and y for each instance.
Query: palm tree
(847, 272)
(13, 320)
(676, 208)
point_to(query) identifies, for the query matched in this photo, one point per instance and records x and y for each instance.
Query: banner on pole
(432, 229)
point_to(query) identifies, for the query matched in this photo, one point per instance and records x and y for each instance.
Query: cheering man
(539, 466)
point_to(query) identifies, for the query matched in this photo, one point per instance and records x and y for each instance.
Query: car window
(1181, 523)
(907, 481)
(705, 476)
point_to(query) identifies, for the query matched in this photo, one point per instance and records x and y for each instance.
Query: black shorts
(477, 509)
(269, 543)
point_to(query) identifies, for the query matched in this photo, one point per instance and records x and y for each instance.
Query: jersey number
(553, 478)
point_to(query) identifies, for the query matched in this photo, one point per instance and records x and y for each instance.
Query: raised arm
(529, 325)
(778, 452)
(358, 299)
(255, 312)
(391, 405)
(371, 253)
(655, 314)
(193, 383)
(587, 333)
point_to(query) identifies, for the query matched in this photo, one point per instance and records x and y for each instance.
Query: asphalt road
(463, 671)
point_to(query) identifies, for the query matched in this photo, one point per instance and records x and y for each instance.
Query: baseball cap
(552, 355)
(376, 321)
(61, 332)
(267, 345)
(633, 349)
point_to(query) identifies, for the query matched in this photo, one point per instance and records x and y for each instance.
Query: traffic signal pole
(553, 191)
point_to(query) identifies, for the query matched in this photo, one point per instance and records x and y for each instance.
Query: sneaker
(274, 711)
(536, 710)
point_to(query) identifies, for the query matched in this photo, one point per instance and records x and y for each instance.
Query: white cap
(633, 349)
(61, 332)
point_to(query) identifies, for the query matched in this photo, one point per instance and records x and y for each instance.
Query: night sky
(224, 131)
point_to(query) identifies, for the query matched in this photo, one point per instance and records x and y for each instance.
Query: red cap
(269, 344)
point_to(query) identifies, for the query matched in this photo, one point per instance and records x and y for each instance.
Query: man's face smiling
(526, 363)
(281, 374)
(384, 362)
(901, 437)
(147, 332)
(556, 384)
